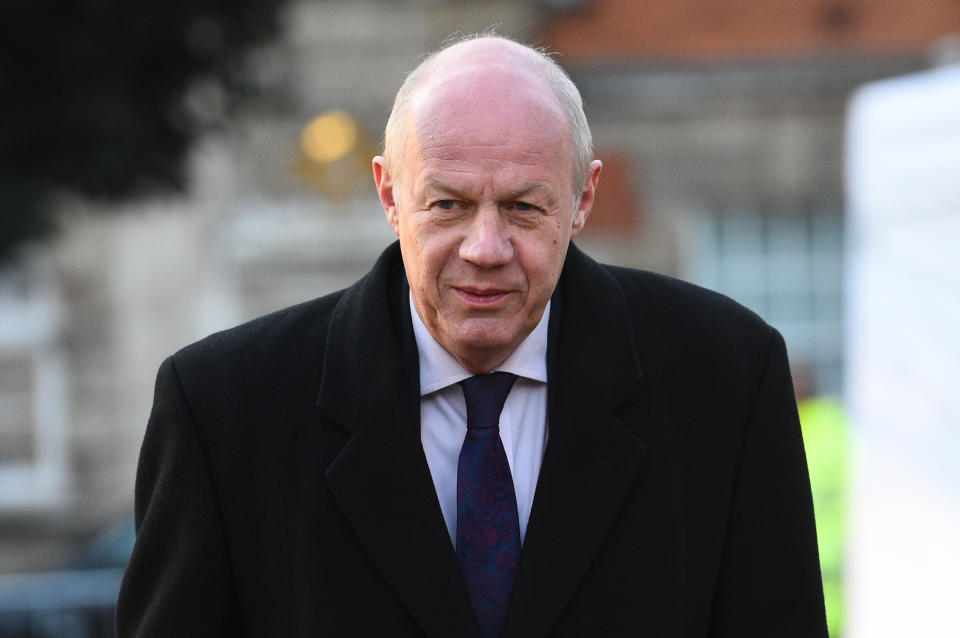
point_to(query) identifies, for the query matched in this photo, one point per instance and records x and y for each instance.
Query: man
(335, 468)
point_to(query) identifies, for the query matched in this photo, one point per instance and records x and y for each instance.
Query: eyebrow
(433, 182)
(528, 189)
(447, 188)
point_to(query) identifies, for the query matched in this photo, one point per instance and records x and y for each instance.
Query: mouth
(482, 297)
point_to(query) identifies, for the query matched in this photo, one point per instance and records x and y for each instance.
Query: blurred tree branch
(93, 92)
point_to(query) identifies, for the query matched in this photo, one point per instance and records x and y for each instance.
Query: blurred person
(826, 440)
(488, 435)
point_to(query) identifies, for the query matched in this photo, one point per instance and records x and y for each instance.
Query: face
(483, 204)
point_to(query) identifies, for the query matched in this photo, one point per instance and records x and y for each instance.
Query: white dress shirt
(443, 416)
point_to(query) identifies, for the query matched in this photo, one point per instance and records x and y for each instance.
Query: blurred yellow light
(329, 136)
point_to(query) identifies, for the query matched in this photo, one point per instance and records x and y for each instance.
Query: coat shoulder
(654, 292)
(689, 318)
(292, 338)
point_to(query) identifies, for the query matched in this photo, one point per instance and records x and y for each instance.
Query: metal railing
(64, 604)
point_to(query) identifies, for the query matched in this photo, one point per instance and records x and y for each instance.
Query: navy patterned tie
(488, 529)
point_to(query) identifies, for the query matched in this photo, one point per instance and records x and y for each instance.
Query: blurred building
(720, 124)
(729, 116)
(269, 220)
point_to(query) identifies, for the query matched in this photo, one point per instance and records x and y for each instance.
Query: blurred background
(168, 169)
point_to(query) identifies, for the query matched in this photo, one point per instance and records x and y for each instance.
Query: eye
(524, 207)
(445, 204)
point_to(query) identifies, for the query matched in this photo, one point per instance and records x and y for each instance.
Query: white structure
(903, 356)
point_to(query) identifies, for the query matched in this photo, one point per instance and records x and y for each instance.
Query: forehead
(490, 112)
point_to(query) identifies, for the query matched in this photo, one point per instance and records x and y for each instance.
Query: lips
(482, 297)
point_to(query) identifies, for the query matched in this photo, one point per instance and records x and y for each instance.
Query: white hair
(581, 141)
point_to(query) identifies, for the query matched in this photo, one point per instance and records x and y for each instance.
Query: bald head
(474, 71)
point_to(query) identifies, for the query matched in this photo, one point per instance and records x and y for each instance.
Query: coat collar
(363, 355)
(591, 458)
(381, 478)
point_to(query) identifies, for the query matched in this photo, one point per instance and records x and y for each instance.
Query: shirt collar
(438, 368)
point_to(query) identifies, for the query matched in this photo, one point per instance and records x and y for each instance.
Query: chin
(487, 347)
(486, 332)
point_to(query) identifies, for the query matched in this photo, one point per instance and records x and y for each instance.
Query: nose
(487, 243)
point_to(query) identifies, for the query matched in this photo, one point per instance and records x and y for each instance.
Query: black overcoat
(283, 489)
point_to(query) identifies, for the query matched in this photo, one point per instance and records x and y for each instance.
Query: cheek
(430, 252)
(542, 265)
(547, 259)
(412, 251)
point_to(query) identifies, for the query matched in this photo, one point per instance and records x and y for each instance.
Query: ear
(384, 182)
(586, 200)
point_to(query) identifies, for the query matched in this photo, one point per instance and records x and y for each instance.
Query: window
(788, 268)
(33, 390)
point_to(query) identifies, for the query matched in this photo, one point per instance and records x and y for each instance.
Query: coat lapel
(591, 459)
(382, 482)
(381, 479)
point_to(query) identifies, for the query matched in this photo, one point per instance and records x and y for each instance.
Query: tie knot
(485, 395)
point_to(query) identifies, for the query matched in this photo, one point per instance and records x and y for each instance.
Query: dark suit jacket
(283, 489)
